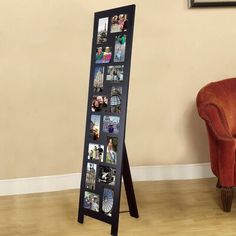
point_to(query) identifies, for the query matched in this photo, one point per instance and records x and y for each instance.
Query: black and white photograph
(91, 201)
(106, 175)
(91, 175)
(102, 30)
(107, 201)
(96, 152)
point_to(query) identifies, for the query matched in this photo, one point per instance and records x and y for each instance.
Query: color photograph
(120, 44)
(111, 124)
(111, 152)
(91, 201)
(102, 30)
(95, 152)
(115, 100)
(107, 201)
(103, 55)
(106, 175)
(99, 103)
(98, 79)
(119, 23)
(115, 73)
(94, 131)
(91, 175)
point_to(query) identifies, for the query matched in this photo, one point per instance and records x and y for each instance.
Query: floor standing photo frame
(105, 159)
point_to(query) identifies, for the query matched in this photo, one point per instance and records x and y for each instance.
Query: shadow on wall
(197, 135)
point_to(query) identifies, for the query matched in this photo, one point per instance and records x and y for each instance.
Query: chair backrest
(222, 94)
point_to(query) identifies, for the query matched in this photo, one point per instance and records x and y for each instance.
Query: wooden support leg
(80, 217)
(133, 210)
(226, 198)
(114, 229)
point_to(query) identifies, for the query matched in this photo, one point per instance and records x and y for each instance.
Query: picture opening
(95, 152)
(102, 30)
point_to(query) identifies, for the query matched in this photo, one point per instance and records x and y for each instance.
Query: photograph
(91, 201)
(99, 103)
(120, 44)
(94, 131)
(115, 73)
(111, 153)
(98, 79)
(91, 175)
(106, 175)
(102, 30)
(103, 55)
(95, 152)
(119, 23)
(107, 201)
(115, 100)
(111, 124)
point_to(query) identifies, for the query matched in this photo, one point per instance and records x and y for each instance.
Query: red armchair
(216, 103)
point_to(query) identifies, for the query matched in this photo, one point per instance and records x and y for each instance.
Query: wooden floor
(185, 208)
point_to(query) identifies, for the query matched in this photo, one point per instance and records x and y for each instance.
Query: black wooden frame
(122, 165)
(193, 3)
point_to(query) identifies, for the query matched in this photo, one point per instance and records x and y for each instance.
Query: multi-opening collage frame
(106, 115)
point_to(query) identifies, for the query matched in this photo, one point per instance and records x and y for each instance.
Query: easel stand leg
(80, 213)
(129, 189)
(114, 229)
(81, 218)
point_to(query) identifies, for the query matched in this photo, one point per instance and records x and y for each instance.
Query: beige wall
(44, 65)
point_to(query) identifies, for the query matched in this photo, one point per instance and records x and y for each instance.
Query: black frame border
(114, 219)
(194, 4)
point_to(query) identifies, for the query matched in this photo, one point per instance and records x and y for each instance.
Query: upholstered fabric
(216, 103)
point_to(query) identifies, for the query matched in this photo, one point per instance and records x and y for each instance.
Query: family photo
(115, 73)
(103, 55)
(99, 103)
(119, 23)
(95, 152)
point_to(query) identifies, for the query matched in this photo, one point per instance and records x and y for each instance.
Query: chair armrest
(215, 118)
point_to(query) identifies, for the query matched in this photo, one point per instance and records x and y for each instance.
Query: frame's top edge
(132, 6)
(194, 4)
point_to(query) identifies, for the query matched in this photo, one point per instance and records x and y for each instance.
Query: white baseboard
(72, 181)
(171, 172)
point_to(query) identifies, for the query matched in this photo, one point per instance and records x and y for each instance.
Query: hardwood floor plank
(166, 208)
